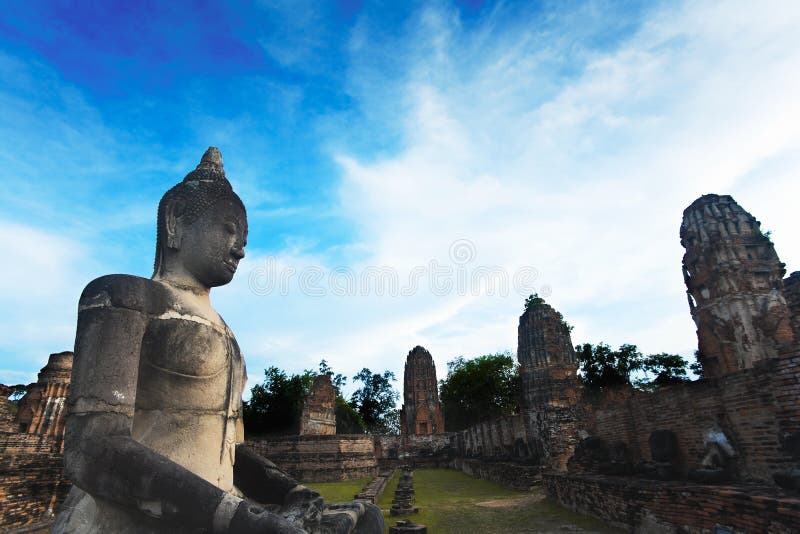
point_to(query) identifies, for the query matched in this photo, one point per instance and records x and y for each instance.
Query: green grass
(338, 491)
(452, 502)
(448, 502)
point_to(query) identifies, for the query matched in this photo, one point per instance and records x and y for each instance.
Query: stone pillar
(421, 412)
(734, 285)
(319, 416)
(43, 408)
(548, 366)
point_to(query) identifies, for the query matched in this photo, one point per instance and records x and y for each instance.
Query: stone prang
(733, 282)
(422, 411)
(547, 364)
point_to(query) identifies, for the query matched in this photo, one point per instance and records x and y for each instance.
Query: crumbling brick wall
(32, 484)
(755, 408)
(652, 506)
(320, 458)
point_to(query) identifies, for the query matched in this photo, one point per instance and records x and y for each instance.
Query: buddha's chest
(187, 364)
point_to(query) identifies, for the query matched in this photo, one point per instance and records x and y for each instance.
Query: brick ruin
(321, 458)
(733, 281)
(42, 409)
(721, 452)
(32, 485)
(421, 412)
(548, 365)
(318, 417)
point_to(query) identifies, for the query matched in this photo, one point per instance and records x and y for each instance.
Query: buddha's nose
(237, 251)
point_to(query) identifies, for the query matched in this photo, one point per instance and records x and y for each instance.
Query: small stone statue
(155, 411)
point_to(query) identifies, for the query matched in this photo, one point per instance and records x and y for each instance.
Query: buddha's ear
(175, 210)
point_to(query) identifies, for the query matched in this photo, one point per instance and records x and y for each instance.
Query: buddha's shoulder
(125, 291)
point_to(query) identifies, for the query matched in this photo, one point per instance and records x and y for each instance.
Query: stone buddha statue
(153, 435)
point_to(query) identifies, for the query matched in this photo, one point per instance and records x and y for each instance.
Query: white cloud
(43, 276)
(584, 178)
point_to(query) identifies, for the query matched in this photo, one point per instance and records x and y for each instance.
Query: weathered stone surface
(320, 458)
(42, 409)
(374, 488)
(547, 363)
(32, 483)
(402, 504)
(318, 417)
(733, 279)
(416, 450)
(154, 422)
(511, 475)
(638, 505)
(422, 411)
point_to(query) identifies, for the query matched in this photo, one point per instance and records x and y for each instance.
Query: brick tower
(422, 411)
(548, 367)
(42, 409)
(733, 281)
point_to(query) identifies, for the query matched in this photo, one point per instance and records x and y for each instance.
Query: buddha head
(202, 227)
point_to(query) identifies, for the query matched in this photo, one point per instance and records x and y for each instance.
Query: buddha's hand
(302, 507)
(250, 518)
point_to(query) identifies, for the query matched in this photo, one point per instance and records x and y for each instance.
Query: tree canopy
(375, 401)
(276, 404)
(480, 388)
(602, 367)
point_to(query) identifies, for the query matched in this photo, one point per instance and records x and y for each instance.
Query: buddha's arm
(261, 480)
(103, 459)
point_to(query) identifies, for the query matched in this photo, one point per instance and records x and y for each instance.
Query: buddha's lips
(230, 265)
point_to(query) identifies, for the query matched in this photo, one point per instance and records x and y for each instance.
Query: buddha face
(212, 245)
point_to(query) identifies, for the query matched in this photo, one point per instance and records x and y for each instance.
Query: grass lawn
(452, 502)
(338, 491)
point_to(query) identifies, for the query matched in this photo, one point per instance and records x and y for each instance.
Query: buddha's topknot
(200, 189)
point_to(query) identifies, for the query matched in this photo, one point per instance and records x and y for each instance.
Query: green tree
(276, 404)
(478, 389)
(375, 401)
(666, 369)
(532, 301)
(348, 420)
(602, 367)
(338, 379)
(696, 367)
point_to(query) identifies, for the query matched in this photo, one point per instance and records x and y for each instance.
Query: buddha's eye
(230, 227)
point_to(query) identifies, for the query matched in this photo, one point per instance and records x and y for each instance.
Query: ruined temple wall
(546, 435)
(501, 438)
(32, 484)
(320, 458)
(636, 505)
(756, 408)
(424, 450)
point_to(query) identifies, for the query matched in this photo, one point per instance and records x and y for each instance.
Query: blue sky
(362, 136)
